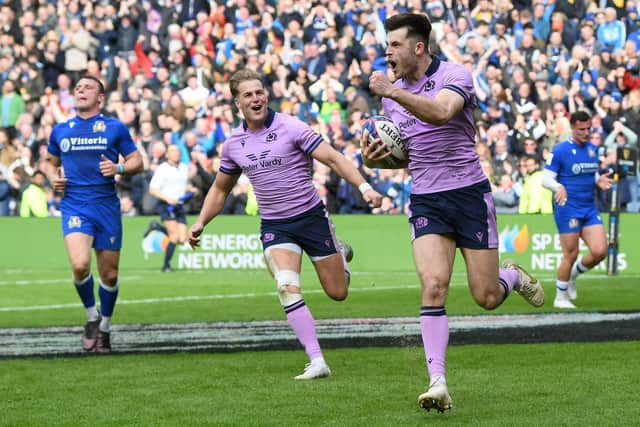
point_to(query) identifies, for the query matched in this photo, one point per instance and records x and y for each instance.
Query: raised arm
(437, 111)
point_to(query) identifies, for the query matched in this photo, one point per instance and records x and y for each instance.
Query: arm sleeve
(549, 180)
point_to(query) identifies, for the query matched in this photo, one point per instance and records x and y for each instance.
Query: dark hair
(95, 79)
(579, 116)
(417, 25)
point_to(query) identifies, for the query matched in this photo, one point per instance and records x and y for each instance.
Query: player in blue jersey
(275, 151)
(451, 205)
(88, 147)
(571, 172)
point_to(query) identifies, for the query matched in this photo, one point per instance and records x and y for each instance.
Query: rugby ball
(382, 127)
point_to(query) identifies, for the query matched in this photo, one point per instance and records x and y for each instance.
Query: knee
(80, 270)
(489, 300)
(288, 283)
(571, 256)
(110, 279)
(434, 288)
(599, 253)
(109, 276)
(338, 294)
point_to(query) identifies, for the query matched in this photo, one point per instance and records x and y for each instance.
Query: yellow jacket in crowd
(535, 198)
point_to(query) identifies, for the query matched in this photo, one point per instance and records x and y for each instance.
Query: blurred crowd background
(166, 66)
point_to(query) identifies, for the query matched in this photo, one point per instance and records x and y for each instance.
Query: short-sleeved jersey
(277, 161)
(575, 166)
(441, 157)
(80, 143)
(171, 180)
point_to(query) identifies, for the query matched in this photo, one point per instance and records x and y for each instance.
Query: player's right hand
(59, 182)
(561, 196)
(374, 151)
(194, 234)
(373, 198)
(380, 84)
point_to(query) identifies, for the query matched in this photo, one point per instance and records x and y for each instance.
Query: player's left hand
(107, 167)
(373, 198)
(605, 181)
(373, 152)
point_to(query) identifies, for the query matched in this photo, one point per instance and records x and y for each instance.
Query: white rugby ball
(382, 127)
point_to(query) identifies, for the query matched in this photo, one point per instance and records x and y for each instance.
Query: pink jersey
(441, 157)
(277, 161)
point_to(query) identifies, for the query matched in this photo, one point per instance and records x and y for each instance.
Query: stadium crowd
(166, 65)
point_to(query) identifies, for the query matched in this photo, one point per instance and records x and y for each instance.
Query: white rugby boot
(562, 300)
(437, 396)
(318, 368)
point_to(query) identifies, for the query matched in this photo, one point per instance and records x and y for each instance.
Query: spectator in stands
(505, 197)
(11, 106)
(612, 33)
(5, 195)
(501, 157)
(534, 198)
(166, 41)
(77, 44)
(33, 200)
(620, 136)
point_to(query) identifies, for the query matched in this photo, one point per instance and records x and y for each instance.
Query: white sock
(438, 379)
(561, 289)
(92, 314)
(105, 324)
(577, 269)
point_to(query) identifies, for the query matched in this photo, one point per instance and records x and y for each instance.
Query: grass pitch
(582, 384)
(491, 385)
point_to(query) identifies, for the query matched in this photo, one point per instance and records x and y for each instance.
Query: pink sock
(434, 325)
(304, 327)
(508, 278)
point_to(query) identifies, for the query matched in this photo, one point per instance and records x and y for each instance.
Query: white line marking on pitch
(26, 282)
(194, 298)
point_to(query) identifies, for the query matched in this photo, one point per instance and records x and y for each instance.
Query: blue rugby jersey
(79, 144)
(575, 166)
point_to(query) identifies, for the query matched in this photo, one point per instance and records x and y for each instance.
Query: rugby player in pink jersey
(451, 206)
(275, 151)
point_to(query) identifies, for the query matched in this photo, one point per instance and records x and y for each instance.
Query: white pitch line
(194, 298)
(547, 276)
(26, 282)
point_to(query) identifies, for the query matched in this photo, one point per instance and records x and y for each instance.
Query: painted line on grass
(27, 282)
(333, 333)
(195, 298)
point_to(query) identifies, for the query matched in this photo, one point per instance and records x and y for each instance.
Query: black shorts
(465, 214)
(312, 230)
(172, 212)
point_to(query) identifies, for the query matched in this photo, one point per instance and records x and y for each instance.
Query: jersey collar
(271, 115)
(433, 67)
